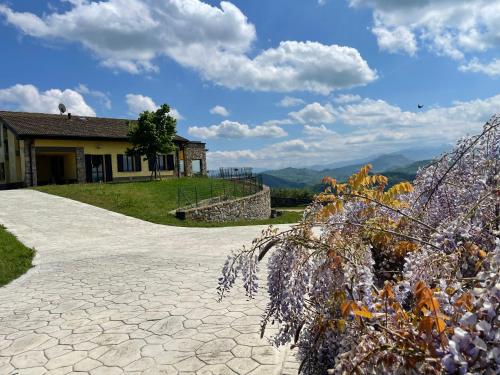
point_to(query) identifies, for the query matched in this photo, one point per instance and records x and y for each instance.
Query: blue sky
(265, 83)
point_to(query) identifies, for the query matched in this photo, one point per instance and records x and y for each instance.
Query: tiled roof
(41, 125)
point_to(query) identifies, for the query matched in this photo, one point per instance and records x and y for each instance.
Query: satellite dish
(62, 108)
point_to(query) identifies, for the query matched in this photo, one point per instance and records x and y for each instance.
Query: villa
(38, 149)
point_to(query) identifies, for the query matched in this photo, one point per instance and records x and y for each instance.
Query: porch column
(177, 162)
(80, 165)
(30, 173)
(188, 166)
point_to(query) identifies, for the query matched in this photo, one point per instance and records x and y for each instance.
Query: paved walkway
(112, 294)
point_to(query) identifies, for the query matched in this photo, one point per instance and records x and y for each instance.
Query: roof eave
(77, 137)
(10, 127)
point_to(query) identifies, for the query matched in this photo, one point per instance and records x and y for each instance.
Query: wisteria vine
(390, 280)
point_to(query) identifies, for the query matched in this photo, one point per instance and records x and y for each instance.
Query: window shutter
(151, 165)
(88, 168)
(170, 163)
(138, 163)
(120, 162)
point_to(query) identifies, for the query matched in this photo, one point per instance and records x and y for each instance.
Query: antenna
(62, 108)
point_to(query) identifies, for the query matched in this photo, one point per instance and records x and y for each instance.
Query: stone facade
(30, 173)
(256, 206)
(80, 165)
(195, 151)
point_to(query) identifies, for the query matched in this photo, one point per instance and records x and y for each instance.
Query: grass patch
(297, 207)
(15, 258)
(154, 200)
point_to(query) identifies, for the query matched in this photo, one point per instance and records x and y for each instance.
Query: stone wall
(256, 206)
(81, 174)
(195, 151)
(30, 172)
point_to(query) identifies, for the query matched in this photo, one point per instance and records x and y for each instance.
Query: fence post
(196, 195)
(211, 189)
(178, 196)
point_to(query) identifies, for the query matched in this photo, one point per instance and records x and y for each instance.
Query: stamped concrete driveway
(112, 294)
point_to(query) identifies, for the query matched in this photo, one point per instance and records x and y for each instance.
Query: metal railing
(225, 184)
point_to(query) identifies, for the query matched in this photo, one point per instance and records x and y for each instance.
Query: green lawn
(154, 200)
(15, 258)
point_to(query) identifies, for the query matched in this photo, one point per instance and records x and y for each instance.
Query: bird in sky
(420, 106)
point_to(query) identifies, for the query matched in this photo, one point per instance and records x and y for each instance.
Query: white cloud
(294, 145)
(294, 152)
(233, 130)
(101, 96)
(219, 110)
(130, 35)
(176, 114)
(378, 127)
(285, 121)
(450, 122)
(346, 98)
(289, 101)
(452, 28)
(383, 136)
(491, 69)
(317, 131)
(396, 39)
(314, 113)
(29, 99)
(139, 103)
(292, 66)
(372, 112)
(239, 158)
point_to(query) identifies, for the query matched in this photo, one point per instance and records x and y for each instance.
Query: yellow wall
(2, 153)
(13, 165)
(70, 166)
(102, 148)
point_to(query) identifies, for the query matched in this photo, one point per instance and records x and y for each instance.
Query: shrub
(289, 197)
(398, 280)
(292, 193)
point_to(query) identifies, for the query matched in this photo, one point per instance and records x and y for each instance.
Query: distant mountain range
(413, 154)
(397, 167)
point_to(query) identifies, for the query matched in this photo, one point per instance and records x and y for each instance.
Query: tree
(153, 134)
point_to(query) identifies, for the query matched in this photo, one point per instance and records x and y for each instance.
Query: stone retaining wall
(256, 206)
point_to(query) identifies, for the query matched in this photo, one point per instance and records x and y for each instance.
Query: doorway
(55, 167)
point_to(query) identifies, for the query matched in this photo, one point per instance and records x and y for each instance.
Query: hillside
(406, 173)
(395, 166)
(274, 181)
(427, 152)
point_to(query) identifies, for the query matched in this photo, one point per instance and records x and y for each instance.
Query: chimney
(69, 116)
